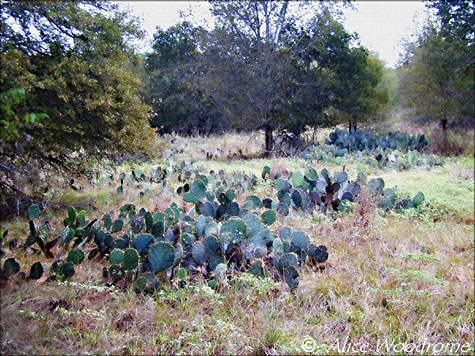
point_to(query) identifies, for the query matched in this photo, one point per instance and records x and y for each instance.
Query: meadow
(400, 276)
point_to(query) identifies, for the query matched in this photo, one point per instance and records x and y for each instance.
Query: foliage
(438, 69)
(71, 62)
(261, 68)
(179, 104)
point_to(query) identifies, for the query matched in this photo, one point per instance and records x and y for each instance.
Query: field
(393, 280)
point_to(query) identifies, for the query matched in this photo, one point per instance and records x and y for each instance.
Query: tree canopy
(69, 62)
(437, 76)
(263, 67)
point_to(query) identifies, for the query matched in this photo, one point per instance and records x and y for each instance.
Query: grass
(394, 278)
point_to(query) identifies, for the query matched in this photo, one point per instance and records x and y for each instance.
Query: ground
(390, 278)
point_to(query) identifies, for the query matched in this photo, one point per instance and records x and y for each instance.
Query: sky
(382, 25)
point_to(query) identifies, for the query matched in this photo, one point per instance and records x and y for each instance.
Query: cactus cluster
(394, 150)
(217, 237)
(312, 191)
(212, 237)
(369, 141)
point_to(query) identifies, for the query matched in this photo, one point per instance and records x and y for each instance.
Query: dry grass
(395, 278)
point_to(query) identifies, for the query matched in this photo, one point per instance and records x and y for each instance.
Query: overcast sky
(381, 25)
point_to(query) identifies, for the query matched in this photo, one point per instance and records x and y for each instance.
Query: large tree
(252, 63)
(437, 75)
(69, 61)
(178, 103)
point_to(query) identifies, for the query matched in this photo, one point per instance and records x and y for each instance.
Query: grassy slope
(393, 278)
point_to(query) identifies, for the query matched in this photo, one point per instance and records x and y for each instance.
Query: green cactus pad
(187, 239)
(214, 260)
(268, 217)
(142, 242)
(211, 243)
(76, 256)
(10, 267)
(116, 256)
(291, 277)
(207, 209)
(189, 198)
(297, 179)
(418, 199)
(288, 259)
(211, 229)
(311, 174)
(220, 272)
(300, 240)
(234, 225)
(36, 271)
(198, 189)
(255, 202)
(198, 252)
(342, 177)
(33, 212)
(140, 284)
(117, 226)
(253, 224)
(257, 268)
(283, 185)
(107, 222)
(161, 256)
(130, 259)
(233, 209)
(278, 246)
(265, 172)
(66, 270)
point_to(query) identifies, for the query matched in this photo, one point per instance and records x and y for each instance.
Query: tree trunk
(269, 140)
(352, 125)
(444, 132)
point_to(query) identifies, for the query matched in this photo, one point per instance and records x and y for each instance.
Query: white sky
(381, 25)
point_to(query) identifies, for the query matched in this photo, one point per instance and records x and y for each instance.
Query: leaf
(10, 266)
(76, 256)
(130, 260)
(33, 212)
(36, 271)
(268, 217)
(297, 179)
(117, 226)
(116, 256)
(161, 256)
(198, 190)
(418, 199)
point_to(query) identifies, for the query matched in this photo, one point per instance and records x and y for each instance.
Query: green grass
(440, 185)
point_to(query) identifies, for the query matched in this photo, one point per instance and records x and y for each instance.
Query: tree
(359, 96)
(437, 75)
(253, 67)
(71, 59)
(179, 104)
